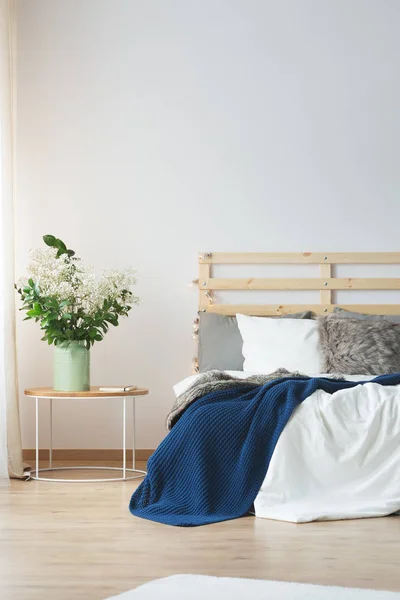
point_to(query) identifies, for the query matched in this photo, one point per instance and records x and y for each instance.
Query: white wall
(151, 130)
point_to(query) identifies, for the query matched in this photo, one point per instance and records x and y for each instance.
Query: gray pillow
(220, 342)
(354, 346)
(348, 314)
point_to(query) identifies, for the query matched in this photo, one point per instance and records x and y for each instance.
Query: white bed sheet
(337, 458)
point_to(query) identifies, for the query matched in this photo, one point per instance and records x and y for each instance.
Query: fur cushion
(351, 346)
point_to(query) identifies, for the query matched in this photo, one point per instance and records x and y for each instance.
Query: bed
(337, 455)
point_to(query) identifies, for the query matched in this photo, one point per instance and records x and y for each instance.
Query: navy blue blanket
(213, 462)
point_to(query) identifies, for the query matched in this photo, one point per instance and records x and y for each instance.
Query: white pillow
(270, 344)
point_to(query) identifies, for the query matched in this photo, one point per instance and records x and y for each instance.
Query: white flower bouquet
(69, 301)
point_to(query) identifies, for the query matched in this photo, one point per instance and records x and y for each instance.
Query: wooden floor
(64, 541)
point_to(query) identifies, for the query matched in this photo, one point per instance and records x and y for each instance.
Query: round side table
(93, 393)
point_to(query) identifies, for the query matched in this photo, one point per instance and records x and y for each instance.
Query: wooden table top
(94, 392)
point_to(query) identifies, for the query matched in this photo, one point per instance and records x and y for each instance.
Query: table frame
(124, 469)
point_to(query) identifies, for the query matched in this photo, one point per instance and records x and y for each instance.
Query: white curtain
(10, 436)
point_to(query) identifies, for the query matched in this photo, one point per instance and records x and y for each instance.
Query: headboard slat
(264, 258)
(301, 283)
(265, 310)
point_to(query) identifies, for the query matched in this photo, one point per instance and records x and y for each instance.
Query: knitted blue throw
(213, 462)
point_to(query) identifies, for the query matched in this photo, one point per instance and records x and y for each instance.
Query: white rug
(202, 587)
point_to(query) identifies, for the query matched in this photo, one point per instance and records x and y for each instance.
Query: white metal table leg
(124, 440)
(133, 434)
(37, 436)
(127, 473)
(51, 435)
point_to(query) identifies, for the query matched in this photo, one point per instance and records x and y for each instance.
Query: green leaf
(67, 316)
(62, 248)
(54, 242)
(112, 319)
(50, 240)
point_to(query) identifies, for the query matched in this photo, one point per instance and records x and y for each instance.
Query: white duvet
(337, 458)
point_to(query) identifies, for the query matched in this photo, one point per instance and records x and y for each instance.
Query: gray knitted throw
(213, 381)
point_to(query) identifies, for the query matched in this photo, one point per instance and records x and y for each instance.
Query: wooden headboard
(325, 283)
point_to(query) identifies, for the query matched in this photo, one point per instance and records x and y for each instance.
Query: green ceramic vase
(71, 367)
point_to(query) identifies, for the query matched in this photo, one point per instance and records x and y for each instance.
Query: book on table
(126, 388)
